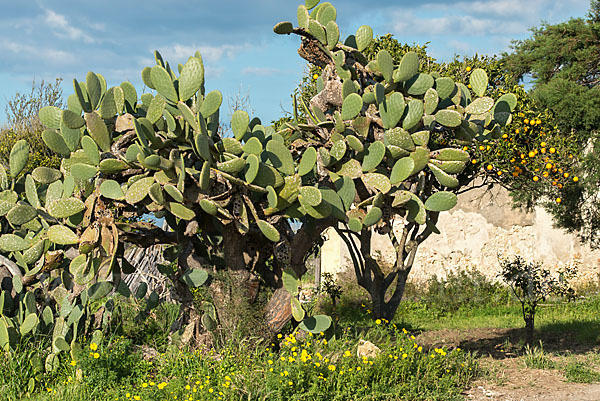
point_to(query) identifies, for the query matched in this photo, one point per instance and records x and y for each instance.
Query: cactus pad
(478, 81)
(83, 172)
(413, 114)
(451, 154)
(310, 196)
(431, 101)
(90, 149)
(62, 235)
(351, 106)
(448, 118)
(280, 157)
(443, 178)
(191, 78)
(181, 211)
(377, 181)
(480, 105)
(402, 169)
(373, 216)
(317, 31)
(138, 190)
(391, 110)
(441, 201)
(211, 103)
(19, 155)
(419, 84)
(50, 116)
(364, 37)
(56, 143)
(162, 82)
(46, 175)
(420, 158)
(194, 277)
(98, 130)
(268, 231)
(399, 137)
(21, 214)
(408, 67)
(111, 189)
(373, 156)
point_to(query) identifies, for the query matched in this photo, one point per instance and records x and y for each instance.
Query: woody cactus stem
(369, 274)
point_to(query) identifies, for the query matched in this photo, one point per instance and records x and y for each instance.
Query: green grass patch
(292, 368)
(579, 372)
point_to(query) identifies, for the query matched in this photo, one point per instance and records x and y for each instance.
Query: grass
(580, 317)
(536, 358)
(579, 372)
(292, 368)
(295, 367)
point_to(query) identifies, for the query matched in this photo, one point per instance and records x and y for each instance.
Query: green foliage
(234, 199)
(290, 368)
(562, 59)
(331, 288)
(532, 283)
(579, 372)
(463, 290)
(23, 123)
(536, 358)
(40, 155)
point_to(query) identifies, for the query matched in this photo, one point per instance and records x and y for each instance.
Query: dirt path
(507, 378)
(511, 381)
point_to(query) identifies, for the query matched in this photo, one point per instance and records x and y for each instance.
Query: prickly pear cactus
(382, 140)
(389, 138)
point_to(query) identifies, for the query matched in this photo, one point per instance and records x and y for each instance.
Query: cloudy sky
(46, 39)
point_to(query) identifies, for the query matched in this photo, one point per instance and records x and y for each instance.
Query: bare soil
(506, 376)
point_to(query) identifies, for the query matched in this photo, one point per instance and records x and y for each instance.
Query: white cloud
(261, 71)
(53, 55)
(458, 25)
(180, 53)
(64, 29)
(500, 8)
(461, 47)
(214, 72)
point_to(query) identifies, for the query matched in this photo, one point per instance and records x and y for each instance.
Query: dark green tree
(563, 61)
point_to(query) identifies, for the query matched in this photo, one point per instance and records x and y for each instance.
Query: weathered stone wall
(481, 227)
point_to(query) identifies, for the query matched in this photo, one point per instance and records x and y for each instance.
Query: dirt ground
(507, 378)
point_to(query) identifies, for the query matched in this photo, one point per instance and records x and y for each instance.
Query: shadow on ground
(573, 338)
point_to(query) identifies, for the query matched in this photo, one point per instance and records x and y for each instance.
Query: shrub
(39, 154)
(23, 122)
(532, 283)
(463, 289)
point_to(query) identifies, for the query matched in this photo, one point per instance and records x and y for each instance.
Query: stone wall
(482, 226)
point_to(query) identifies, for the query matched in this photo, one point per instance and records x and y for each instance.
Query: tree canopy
(563, 62)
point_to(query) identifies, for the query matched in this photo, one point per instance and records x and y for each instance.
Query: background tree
(563, 62)
(23, 123)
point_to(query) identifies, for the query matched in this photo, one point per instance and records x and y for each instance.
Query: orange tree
(563, 61)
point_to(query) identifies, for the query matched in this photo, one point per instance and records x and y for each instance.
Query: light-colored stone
(367, 349)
